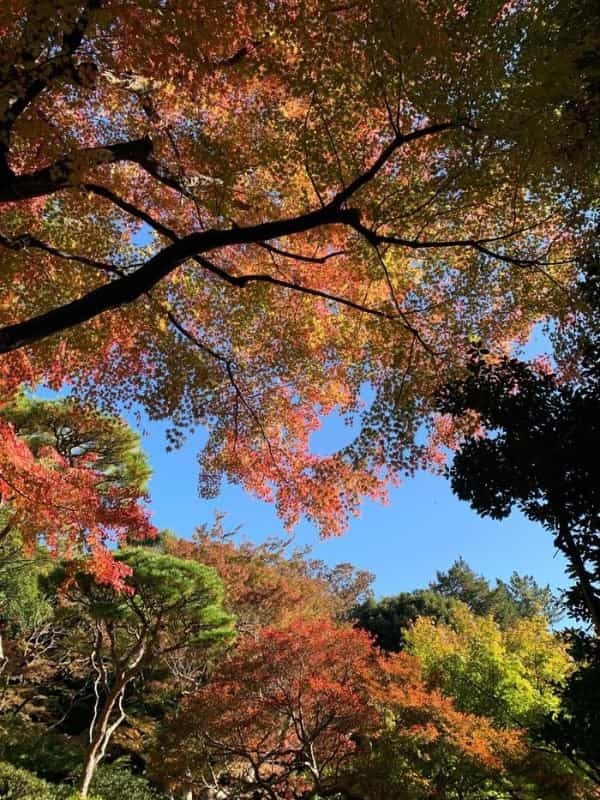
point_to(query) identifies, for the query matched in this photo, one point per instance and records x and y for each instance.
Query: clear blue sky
(423, 529)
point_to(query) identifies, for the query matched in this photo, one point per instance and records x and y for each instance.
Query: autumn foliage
(283, 709)
(241, 214)
(54, 487)
(267, 585)
(247, 216)
(311, 708)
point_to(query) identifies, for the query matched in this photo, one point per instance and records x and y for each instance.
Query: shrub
(115, 782)
(19, 784)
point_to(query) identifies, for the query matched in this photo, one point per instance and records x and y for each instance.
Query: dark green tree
(170, 604)
(541, 456)
(519, 597)
(522, 596)
(388, 619)
(462, 583)
(542, 452)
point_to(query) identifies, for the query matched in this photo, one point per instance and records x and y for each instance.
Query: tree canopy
(167, 605)
(390, 619)
(74, 478)
(245, 216)
(239, 214)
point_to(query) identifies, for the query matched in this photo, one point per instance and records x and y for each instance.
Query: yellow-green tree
(511, 676)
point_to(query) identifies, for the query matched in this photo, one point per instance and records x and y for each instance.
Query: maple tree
(251, 210)
(279, 716)
(426, 747)
(266, 584)
(313, 710)
(71, 477)
(517, 679)
(460, 717)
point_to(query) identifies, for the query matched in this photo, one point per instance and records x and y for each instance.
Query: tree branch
(30, 83)
(27, 240)
(398, 141)
(476, 244)
(65, 172)
(130, 287)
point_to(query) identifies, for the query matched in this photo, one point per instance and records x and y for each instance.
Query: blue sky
(423, 529)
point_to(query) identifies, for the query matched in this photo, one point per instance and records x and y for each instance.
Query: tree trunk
(572, 552)
(102, 732)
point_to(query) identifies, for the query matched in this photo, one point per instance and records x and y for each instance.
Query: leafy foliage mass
(390, 619)
(542, 457)
(238, 214)
(143, 693)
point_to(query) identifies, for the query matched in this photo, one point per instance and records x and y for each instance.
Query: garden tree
(20, 783)
(81, 436)
(111, 783)
(279, 718)
(388, 619)
(426, 747)
(27, 632)
(523, 597)
(347, 584)
(313, 710)
(462, 583)
(266, 585)
(71, 477)
(520, 597)
(542, 456)
(512, 677)
(516, 678)
(239, 214)
(167, 604)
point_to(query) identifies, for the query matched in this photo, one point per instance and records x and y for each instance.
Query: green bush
(115, 782)
(18, 784)
(111, 782)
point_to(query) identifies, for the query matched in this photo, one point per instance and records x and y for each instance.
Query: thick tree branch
(130, 287)
(66, 172)
(244, 280)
